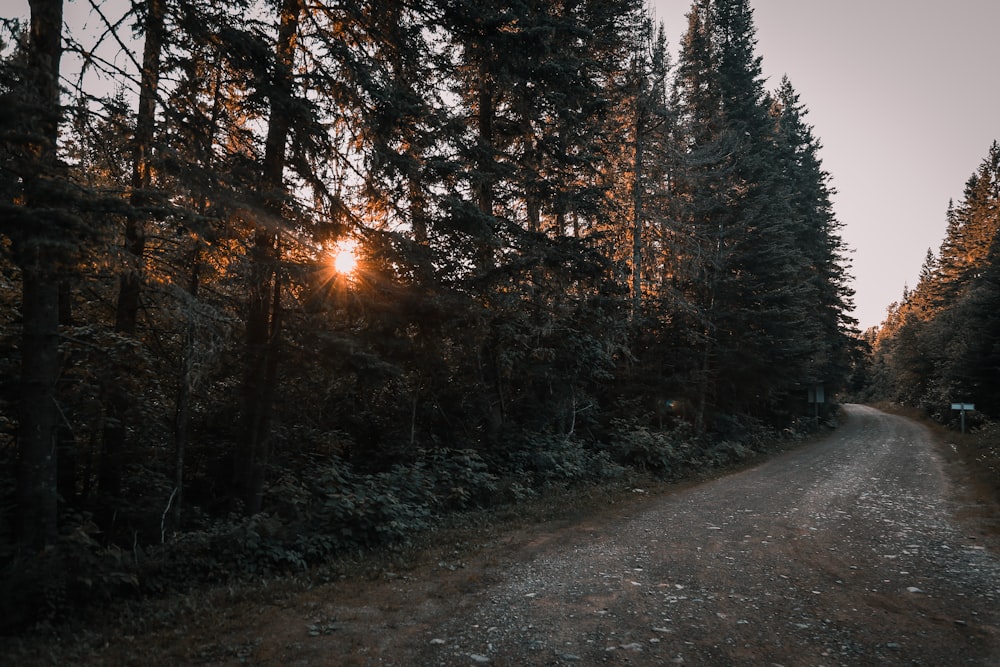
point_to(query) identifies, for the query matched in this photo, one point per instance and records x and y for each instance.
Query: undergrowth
(335, 512)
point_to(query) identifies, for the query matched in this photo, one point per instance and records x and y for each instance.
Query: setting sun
(345, 259)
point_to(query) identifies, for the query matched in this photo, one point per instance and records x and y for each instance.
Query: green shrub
(369, 510)
(726, 452)
(659, 451)
(461, 478)
(348, 510)
(48, 585)
(555, 459)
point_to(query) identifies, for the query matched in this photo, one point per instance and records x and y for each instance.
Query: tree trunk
(534, 214)
(67, 449)
(263, 332)
(485, 127)
(262, 339)
(182, 409)
(637, 213)
(532, 201)
(130, 281)
(36, 481)
(145, 126)
(182, 414)
(37, 489)
(485, 186)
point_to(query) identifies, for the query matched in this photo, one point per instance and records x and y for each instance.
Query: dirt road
(843, 552)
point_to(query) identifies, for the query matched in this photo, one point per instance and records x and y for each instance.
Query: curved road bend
(843, 552)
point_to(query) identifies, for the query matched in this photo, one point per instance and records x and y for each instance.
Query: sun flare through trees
(345, 257)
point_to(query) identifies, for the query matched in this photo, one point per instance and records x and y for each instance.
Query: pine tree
(142, 176)
(528, 167)
(264, 312)
(973, 368)
(646, 117)
(829, 330)
(402, 122)
(755, 204)
(947, 281)
(963, 332)
(206, 154)
(772, 306)
(698, 184)
(970, 231)
(130, 280)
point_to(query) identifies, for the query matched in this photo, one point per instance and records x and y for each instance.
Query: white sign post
(962, 407)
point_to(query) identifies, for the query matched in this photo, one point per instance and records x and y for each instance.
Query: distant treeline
(940, 344)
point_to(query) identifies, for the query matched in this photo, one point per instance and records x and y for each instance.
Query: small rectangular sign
(963, 406)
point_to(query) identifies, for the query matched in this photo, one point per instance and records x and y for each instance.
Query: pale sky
(906, 101)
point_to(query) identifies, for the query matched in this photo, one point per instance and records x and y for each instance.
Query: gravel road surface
(847, 551)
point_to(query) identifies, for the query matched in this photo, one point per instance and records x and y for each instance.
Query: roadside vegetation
(140, 600)
(353, 521)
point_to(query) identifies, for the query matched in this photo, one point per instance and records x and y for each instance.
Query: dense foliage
(940, 344)
(573, 259)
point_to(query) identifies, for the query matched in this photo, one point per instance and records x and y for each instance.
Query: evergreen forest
(940, 343)
(285, 279)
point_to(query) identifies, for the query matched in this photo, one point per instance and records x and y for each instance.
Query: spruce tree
(749, 197)
(828, 329)
(133, 270)
(264, 307)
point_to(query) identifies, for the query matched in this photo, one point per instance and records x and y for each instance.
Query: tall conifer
(737, 185)
(39, 222)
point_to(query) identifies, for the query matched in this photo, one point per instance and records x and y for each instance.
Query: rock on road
(845, 551)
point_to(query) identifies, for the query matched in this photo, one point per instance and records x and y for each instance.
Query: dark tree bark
(182, 415)
(638, 216)
(39, 370)
(130, 281)
(142, 176)
(484, 188)
(36, 254)
(263, 328)
(484, 120)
